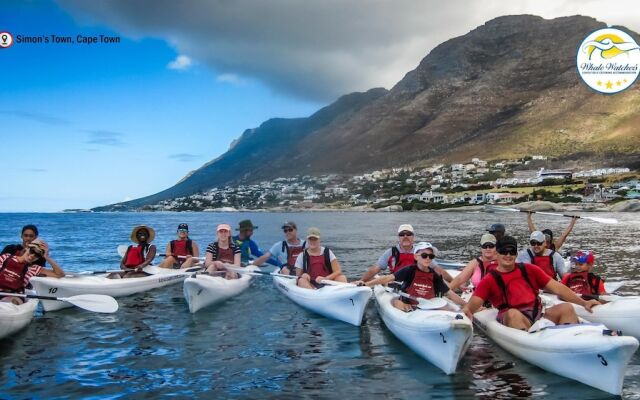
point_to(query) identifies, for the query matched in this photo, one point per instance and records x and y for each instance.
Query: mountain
(508, 88)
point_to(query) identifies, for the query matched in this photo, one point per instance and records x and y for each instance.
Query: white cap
(423, 246)
(537, 236)
(405, 227)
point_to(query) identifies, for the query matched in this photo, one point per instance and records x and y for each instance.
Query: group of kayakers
(501, 276)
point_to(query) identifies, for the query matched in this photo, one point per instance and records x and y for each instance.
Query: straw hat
(134, 233)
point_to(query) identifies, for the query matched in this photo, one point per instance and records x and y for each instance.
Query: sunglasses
(427, 255)
(401, 234)
(509, 251)
(287, 229)
(535, 243)
(183, 230)
(488, 246)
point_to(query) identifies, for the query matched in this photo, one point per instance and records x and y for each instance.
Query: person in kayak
(29, 234)
(317, 263)
(552, 244)
(285, 252)
(513, 289)
(249, 249)
(182, 252)
(581, 280)
(497, 230)
(17, 270)
(137, 257)
(480, 266)
(538, 254)
(418, 280)
(399, 256)
(222, 251)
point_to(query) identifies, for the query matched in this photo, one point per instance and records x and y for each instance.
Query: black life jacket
(523, 270)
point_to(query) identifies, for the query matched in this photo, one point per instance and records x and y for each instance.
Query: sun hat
(223, 226)
(37, 246)
(487, 238)
(313, 232)
(405, 227)
(134, 233)
(246, 225)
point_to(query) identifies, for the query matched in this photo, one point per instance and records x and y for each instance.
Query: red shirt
(520, 294)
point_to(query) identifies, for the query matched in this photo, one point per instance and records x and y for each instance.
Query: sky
(84, 125)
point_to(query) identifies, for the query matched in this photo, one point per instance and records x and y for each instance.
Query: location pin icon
(4, 39)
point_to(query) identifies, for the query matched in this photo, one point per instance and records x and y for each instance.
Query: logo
(608, 60)
(6, 40)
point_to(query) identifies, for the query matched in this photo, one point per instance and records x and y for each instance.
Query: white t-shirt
(300, 259)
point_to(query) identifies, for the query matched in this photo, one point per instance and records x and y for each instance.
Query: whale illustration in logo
(607, 46)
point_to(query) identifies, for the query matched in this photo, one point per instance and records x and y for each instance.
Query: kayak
(14, 318)
(204, 290)
(342, 302)
(622, 315)
(581, 351)
(100, 284)
(440, 337)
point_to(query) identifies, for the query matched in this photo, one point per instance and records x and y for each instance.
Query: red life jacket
(398, 260)
(317, 266)
(225, 255)
(292, 252)
(545, 263)
(584, 283)
(12, 275)
(181, 247)
(485, 269)
(422, 285)
(520, 294)
(136, 255)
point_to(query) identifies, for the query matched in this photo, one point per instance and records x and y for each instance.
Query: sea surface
(261, 345)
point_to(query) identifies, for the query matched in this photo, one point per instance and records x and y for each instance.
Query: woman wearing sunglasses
(29, 234)
(480, 266)
(418, 280)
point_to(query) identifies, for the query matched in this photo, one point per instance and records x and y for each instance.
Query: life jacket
(181, 247)
(398, 260)
(317, 266)
(12, 275)
(584, 283)
(519, 295)
(292, 252)
(224, 255)
(482, 270)
(544, 262)
(136, 255)
(420, 284)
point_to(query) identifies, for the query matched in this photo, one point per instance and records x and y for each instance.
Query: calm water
(260, 345)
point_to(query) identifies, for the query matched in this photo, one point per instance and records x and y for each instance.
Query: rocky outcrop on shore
(626, 206)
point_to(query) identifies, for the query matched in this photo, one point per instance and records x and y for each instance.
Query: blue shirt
(249, 250)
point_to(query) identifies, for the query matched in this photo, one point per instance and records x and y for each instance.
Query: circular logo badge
(608, 60)
(6, 40)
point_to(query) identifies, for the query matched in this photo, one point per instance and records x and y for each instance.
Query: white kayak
(440, 337)
(581, 352)
(100, 284)
(204, 290)
(622, 315)
(342, 302)
(14, 318)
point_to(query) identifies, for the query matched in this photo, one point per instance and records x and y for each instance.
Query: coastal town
(441, 186)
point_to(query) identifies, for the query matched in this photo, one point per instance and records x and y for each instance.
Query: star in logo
(609, 85)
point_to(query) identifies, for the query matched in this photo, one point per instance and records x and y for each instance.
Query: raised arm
(560, 241)
(532, 226)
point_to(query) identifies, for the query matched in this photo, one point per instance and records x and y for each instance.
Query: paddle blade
(431, 304)
(122, 250)
(94, 302)
(490, 208)
(602, 220)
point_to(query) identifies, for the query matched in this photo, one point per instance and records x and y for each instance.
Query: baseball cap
(537, 236)
(313, 232)
(487, 238)
(223, 226)
(584, 257)
(183, 226)
(496, 228)
(405, 227)
(289, 224)
(506, 242)
(423, 246)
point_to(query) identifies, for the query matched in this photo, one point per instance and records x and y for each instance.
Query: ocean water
(261, 345)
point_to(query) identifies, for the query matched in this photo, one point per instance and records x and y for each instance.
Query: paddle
(609, 297)
(507, 209)
(423, 304)
(91, 302)
(449, 263)
(242, 270)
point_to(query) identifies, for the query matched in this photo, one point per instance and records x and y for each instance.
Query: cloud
(230, 78)
(104, 138)
(181, 62)
(320, 49)
(184, 157)
(38, 117)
